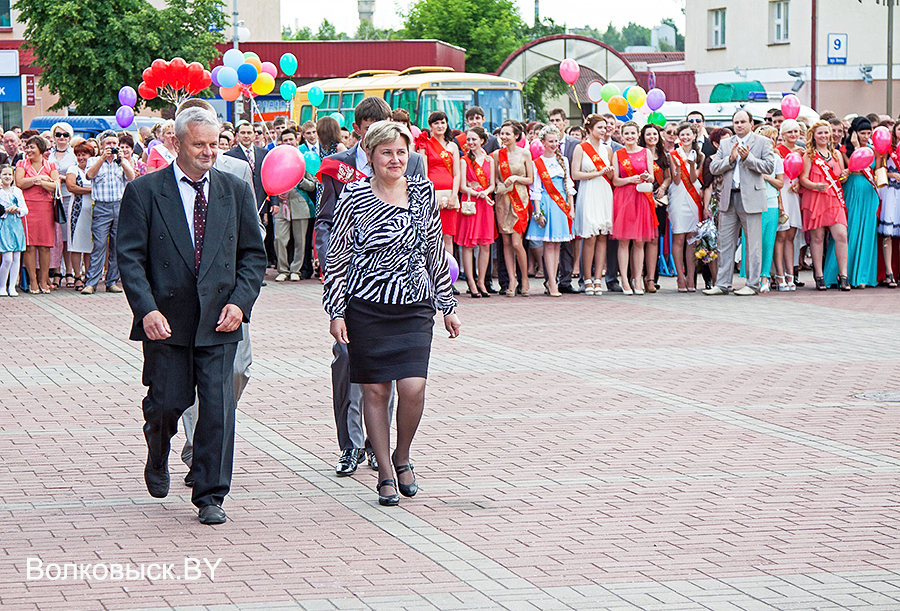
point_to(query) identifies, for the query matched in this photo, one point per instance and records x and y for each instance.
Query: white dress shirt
(362, 162)
(188, 195)
(251, 158)
(736, 175)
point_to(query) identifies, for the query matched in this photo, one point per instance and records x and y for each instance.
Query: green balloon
(288, 90)
(338, 117)
(316, 96)
(608, 91)
(288, 64)
(657, 118)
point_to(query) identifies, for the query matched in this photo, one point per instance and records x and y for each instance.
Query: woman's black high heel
(409, 490)
(820, 283)
(843, 283)
(889, 280)
(390, 500)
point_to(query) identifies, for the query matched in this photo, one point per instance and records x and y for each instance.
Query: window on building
(717, 28)
(5, 21)
(778, 20)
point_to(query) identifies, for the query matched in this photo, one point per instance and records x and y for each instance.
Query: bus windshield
(500, 105)
(452, 102)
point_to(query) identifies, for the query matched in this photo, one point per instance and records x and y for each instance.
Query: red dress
(821, 209)
(40, 224)
(634, 216)
(477, 229)
(443, 181)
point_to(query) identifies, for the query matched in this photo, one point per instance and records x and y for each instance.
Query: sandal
(843, 283)
(889, 280)
(588, 287)
(390, 500)
(70, 284)
(79, 281)
(820, 283)
(55, 277)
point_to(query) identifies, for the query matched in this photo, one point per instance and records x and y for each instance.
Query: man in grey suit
(347, 397)
(192, 262)
(742, 161)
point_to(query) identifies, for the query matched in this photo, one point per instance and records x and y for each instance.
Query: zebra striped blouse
(385, 254)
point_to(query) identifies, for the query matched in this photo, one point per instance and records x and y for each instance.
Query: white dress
(889, 218)
(79, 237)
(683, 212)
(790, 200)
(593, 203)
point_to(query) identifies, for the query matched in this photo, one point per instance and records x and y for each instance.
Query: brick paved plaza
(668, 451)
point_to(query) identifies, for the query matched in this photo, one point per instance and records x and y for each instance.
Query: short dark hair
(286, 131)
(697, 112)
(39, 142)
(279, 120)
(557, 111)
(371, 109)
(745, 111)
(472, 111)
(777, 113)
(126, 139)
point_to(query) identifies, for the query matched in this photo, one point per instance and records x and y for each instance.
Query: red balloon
(282, 169)
(194, 71)
(178, 68)
(881, 140)
(150, 77)
(793, 165)
(146, 91)
(861, 159)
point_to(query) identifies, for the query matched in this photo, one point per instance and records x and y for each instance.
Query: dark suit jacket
(331, 191)
(156, 257)
(259, 154)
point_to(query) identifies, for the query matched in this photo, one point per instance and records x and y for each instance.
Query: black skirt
(388, 342)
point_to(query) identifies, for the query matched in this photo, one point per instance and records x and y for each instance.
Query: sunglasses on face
(258, 133)
(695, 120)
(62, 135)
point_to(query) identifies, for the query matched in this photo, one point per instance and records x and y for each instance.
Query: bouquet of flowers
(706, 241)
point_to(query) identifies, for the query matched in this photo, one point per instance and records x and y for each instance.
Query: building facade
(833, 53)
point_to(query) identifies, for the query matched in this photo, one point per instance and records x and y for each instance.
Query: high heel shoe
(390, 500)
(408, 490)
(511, 291)
(484, 294)
(843, 283)
(820, 283)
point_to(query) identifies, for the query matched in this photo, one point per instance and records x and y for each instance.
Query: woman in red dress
(634, 211)
(38, 179)
(477, 229)
(443, 170)
(822, 201)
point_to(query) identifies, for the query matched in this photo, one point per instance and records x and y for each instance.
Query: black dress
(386, 274)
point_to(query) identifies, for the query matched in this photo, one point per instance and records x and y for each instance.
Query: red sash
(830, 178)
(479, 173)
(783, 150)
(461, 141)
(896, 159)
(595, 157)
(442, 153)
(870, 176)
(551, 189)
(626, 165)
(505, 172)
(688, 185)
(658, 174)
(340, 171)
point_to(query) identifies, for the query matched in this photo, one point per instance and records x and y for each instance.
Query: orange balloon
(255, 61)
(618, 105)
(230, 94)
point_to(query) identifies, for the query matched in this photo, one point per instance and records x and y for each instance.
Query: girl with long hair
(889, 218)
(651, 139)
(515, 174)
(443, 170)
(476, 229)
(685, 203)
(790, 201)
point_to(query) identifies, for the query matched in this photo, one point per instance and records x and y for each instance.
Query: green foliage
(489, 30)
(327, 31)
(300, 34)
(632, 35)
(89, 49)
(679, 38)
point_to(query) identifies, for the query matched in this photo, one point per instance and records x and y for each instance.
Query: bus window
(406, 99)
(348, 106)
(500, 105)
(305, 113)
(329, 105)
(453, 102)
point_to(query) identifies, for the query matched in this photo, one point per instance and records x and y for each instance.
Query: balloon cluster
(288, 65)
(125, 113)
(167, 78)
(243, 73)
(623, 104)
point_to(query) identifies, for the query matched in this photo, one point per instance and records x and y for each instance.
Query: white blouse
(556, 171)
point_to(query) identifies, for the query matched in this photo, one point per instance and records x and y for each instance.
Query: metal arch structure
(543, 53)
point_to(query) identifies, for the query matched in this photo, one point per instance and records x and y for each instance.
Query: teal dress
(862, 235)
(769, 227)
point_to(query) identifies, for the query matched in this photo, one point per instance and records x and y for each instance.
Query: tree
(301, 34)
(327, 31)
(489, 30)
(634, 35)
(89, 49)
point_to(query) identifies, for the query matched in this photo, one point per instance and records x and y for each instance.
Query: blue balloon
(228, 77)
(313, 161)
(246, 74)
(233, 58)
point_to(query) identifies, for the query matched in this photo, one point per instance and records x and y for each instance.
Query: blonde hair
(767, 131)
(385, 132)
(551, 129)
(811, 141)
(63, 126)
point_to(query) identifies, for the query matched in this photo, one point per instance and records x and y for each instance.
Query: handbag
(58, 207)
(444, 199)
(467, 207)
(881, 177)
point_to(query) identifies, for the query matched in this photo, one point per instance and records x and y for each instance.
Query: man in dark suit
(567, 250)
(352, 164)
(248, 152)
(192, 262)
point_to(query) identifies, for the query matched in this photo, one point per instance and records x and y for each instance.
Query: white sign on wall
(9, 62)
(837, 48)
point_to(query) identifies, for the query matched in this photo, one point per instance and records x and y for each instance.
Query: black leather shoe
(390, 500)
(615, 287)
(491, 289)
(454, 290)
(408, 490)
(157, 478)
(567, 288)
(348, 462)
(372, 461)
(189, 479)
(212, 514)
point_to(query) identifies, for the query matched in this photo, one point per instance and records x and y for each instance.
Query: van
(91, 127)
(718, 114)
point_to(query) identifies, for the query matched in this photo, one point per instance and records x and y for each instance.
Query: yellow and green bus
(421, 91)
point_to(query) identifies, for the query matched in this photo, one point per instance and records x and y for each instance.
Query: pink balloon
(861, 159)
(569, 71)
(415, 131)
(282, 169)
(793, 165)
(537, 149)
(521, 141)
(881, 140)
(454, 267)
(790, 106)
(269, 68)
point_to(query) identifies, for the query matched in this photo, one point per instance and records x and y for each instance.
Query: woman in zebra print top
(385, 275)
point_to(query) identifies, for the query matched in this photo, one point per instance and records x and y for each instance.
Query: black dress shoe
(567, 288)
(491, 289)
(212, 514)
(455, 290)
(372, 461)
(348, 462)
(189, 479)
(408, 490)
(391, 499)
(615, 287)
(157, 478)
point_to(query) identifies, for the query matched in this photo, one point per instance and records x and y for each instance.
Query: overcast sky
(572, 13)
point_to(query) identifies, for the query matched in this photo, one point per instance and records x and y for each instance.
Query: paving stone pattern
(663, 451)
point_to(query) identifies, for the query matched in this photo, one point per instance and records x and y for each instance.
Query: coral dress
(634, 214)
(822, 209)
(477, 229)
(443, 181)
(862, 234)
(40, 224)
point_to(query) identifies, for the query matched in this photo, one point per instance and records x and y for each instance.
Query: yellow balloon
(636, 96)
(264, 84)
